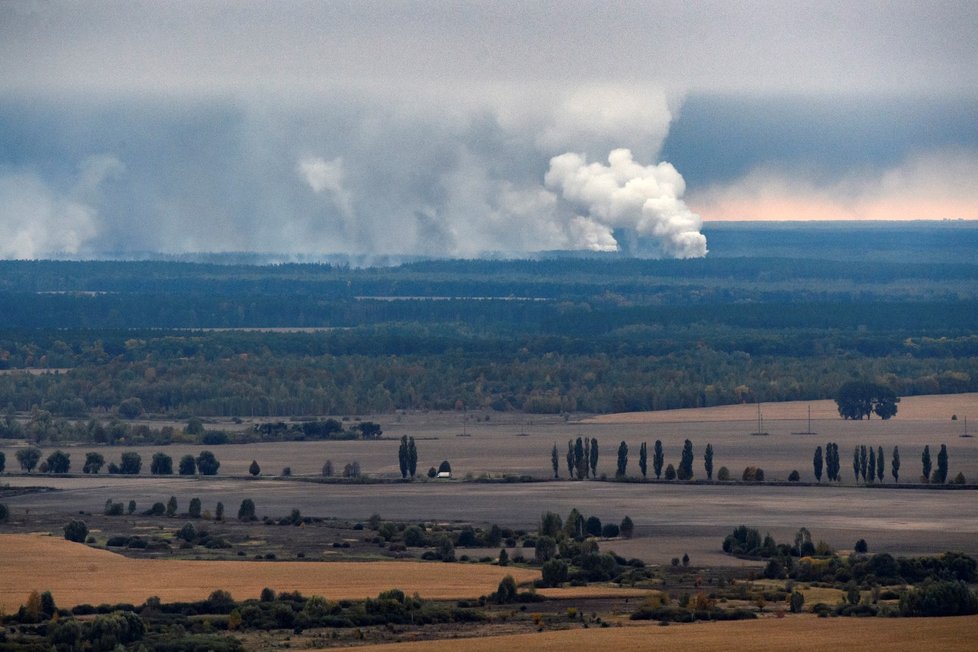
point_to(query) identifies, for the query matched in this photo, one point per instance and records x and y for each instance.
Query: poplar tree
(658, 459)
(895, 464)
(817, 463)
(594, 457)
(708, 461)
(555, 461)
(940, 474)
(643, 459)
(880, 466)
(925, 463)
(685, 471)
(622, 460)
(872, 464)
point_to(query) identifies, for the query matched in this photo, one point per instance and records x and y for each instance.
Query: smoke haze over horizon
(441, 129)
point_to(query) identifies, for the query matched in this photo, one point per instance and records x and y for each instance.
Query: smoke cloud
(625, 194)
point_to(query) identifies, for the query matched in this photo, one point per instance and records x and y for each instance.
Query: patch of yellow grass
(804, 632)
(911, 408)
(76, 574)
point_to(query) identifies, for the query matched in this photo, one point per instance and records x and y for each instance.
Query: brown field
(911, 408)
(767, 634)
(671, 519)
(76, 574)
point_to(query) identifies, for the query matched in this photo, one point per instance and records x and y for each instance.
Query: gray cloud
(428, 127)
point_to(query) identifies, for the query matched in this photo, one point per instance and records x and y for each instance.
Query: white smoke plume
(646, 199)
(38, 220)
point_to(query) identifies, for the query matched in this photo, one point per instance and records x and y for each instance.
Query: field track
(76, 574)
(764, 635)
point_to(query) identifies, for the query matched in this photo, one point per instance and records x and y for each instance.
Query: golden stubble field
(769, 634)
(77, 574)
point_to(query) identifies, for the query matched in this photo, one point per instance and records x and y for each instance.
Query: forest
(549, 335)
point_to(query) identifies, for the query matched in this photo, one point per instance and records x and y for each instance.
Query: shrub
(246, 512)
(723, 474)
(76, 531)
(794, 476)
(610, 531)
(194, 510)
(670, 472)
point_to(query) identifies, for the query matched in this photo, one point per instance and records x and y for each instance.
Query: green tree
(130, 463)
(506, 593)
(207, 464)
(554, 572)
(254, 469)
(863, 461)
(658, 459)
(580, 462)
(593, 457)
(28, 457)
(76, 531)
(880, 465)
(643, 459)
(925, 464)
(708, 461)
(592, 526)
(195, 508)
(685, 470)
(627, 527)
(188, 465)
(895, 464)
(171, 506)
(670, 472)
(246, 512)
(555, 461)
(796, 602)
(855, 463)
(219, 512)
(3, 461)
(872, 464)
(570, 459)
(402, 457)
(550, 524)
(622, 460)
(412, 456)
(161, 464)
(858, 400)
(93, 463)
(195, 427)
(574, 525)
(817, 463)
(131, 408)
(940, 473)
(58, 462)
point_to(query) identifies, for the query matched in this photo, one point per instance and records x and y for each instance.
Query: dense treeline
(545, 336)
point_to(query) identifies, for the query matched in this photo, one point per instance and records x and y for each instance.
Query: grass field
(764, 635)
(77, 574)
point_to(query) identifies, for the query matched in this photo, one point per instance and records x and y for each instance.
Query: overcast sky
(454, 128)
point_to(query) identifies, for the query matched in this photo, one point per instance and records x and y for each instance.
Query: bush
(723, 474)
(794, 476)
(610, 531)
(943, 598)
(670, 472)
(76, 531)
(246, 512)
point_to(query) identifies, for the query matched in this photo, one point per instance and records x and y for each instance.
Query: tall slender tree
(643, 459)
(570, 459)
(872, 464)
(708, 461)
(817, 463)
(925, 464)
(594, 457)
(412, 457)
(862, 462)
(402, 456)
(580, 462)
(855, 463)
(587, 457)
(940, 473)
(622, 460)
(685, 471)
(880, 465)
(895, 464)
(658, 458)
(555, 461)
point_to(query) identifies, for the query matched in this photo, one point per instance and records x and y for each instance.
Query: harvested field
(911, 408)
(767, 634)
(78, 574)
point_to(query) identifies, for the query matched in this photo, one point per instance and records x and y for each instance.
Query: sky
(469, 128)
